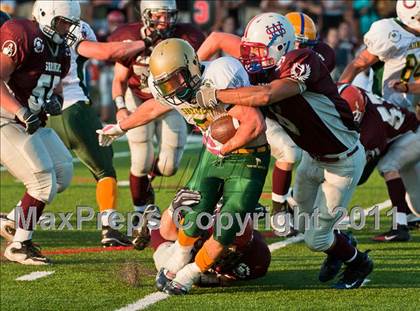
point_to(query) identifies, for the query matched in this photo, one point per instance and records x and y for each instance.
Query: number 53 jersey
(39, 64)
(399, 50)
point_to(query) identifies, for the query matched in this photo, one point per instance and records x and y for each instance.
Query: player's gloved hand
(184, 197)
(398, 85)
(31, 121)
(54, 105)
(150, 40)
(109, 133)
(206, 96)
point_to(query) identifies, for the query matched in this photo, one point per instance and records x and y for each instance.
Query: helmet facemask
(61, 30)
(177, 87)
(161, 21)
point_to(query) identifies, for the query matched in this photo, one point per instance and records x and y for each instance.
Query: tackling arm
(251, 125)
(110, 51)
(8, 102)
(119, 83)
(263, 95)
(363, 61)
(145, 113)
(216, 41)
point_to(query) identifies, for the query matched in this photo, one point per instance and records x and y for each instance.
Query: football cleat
(141, 236)
(112, 237)
(162, 279)
(331, 265)
(355, 274)
(25, 253)
(175, 288)
(401, 234)
(7, 228)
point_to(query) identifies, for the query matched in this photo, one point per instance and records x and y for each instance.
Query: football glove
(108, 134)
(53, 106)
(184, 197)
(31, 121)
(206, 97)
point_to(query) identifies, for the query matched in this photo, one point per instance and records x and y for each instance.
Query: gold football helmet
(305, 29)
(176, 70)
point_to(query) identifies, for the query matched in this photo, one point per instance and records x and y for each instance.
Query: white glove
(206, 96)
(109, 133)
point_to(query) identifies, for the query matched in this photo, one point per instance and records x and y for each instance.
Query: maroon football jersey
(139, 66)
(318, 120)
(326, 53)
(383, 122)
(40, 64)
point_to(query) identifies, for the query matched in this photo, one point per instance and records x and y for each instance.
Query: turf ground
(86, 278)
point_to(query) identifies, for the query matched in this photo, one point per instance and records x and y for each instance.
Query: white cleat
(7, 228)
(25, 253)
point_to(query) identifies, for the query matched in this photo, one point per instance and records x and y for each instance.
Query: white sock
(139, 208)
(12, 215)
(278, 198)
(402, 219)
(181, 255)
(188, 275)
(22, 235)
(107, 217)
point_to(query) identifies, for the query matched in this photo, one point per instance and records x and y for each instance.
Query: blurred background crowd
(340, 23)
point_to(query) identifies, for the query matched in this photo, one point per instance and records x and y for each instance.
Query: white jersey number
(393, 116)
(43, 91)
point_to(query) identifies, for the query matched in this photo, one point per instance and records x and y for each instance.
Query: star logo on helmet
(301, 72)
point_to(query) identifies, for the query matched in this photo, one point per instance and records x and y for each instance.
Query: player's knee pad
(169, 159)
(45, 187)
(64, 173)
(142, 157)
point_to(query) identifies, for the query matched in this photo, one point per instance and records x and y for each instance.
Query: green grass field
(88, 281)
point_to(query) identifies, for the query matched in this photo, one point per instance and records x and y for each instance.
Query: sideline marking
(34, 275)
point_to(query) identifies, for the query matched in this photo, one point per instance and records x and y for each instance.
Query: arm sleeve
(14, 42)
(377, 41)
(302, 66)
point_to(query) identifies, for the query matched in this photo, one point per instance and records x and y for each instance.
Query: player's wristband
(120, 103)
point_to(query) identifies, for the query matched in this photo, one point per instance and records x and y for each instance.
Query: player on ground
(391, 138)
(130, 89)
(393, 52)
(236, 169)
(35, 57)
(301, 96)
(248, 257)
(282, 146)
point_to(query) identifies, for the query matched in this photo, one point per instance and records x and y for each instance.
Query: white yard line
(145, 302)
(34, 275)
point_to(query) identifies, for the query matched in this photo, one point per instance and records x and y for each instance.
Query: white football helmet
(408, 12)
(267, 38)
(53, 15)
(147, 7)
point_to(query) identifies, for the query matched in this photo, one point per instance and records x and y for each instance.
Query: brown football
(223, 129)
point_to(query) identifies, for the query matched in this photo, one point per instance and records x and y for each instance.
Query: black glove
(150, 40)
(31, 121)
(185, 197)
(54, 105)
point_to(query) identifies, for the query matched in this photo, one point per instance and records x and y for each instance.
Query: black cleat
(25, 253)
(175, 288)
(331, 265)
(112, 237)
(151, 218)
(162, 280)
(401, 234)
(355, 273)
